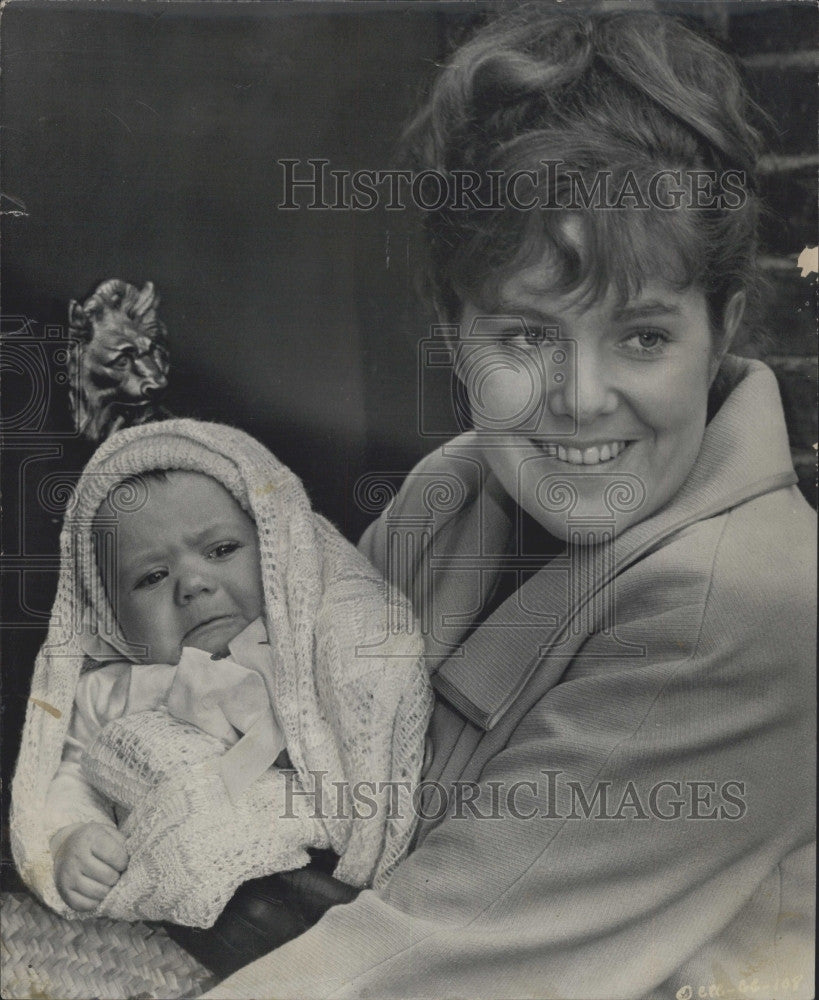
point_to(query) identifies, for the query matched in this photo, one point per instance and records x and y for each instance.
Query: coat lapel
(536, 631)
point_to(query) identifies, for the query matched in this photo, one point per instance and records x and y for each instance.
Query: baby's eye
(647, 342)
(151, 579)
(222, 550)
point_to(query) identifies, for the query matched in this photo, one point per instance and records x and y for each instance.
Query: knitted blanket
(350, 691)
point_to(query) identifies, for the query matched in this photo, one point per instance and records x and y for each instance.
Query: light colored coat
(707, 676)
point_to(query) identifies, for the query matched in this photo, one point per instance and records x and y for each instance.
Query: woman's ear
(731, 321)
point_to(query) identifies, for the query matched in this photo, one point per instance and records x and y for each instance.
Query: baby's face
(188, 571)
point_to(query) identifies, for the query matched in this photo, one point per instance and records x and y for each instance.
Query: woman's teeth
(588, 456)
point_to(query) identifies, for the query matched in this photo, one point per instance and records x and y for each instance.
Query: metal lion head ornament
(118, 366)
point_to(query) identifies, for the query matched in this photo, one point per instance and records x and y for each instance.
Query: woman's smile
(620, 389)
(582, 454)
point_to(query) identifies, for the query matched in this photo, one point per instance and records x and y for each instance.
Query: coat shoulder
(766, 544)
(442, 483)
(738, 579)
(768, 549)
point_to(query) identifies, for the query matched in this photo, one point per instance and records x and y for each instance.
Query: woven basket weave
(44, 955)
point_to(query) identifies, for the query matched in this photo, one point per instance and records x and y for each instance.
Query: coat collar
(744, 454)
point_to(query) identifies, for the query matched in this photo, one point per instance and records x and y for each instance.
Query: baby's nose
(191, 584)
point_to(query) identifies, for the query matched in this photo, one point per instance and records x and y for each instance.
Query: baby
(188, 574)
(247, 631)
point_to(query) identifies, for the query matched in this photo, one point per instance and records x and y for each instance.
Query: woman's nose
(582, 389)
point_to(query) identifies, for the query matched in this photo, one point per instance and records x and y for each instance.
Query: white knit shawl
(350, 689)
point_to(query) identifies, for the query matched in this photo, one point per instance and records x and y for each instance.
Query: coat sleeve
(633, 813)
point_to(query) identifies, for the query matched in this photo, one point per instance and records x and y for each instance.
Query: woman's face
(590, 415)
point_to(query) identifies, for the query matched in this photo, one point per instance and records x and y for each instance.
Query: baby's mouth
(207, 627)
(596, 454)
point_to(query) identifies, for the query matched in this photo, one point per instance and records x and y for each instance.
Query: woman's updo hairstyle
(624, 92)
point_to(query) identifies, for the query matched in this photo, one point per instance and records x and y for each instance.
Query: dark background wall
(143, 142)
(140, 141)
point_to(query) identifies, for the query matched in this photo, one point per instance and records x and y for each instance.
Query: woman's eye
(151, 579)
(647, 341)
(223, 549)
(527, 335)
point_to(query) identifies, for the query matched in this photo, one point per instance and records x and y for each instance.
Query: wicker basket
(46, 956)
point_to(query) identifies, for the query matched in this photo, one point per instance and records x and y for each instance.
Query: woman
(613, 568)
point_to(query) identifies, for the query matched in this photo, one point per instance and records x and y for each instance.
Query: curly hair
(625, 93)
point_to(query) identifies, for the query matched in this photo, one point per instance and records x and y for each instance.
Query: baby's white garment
(227, 698)
(350, 689)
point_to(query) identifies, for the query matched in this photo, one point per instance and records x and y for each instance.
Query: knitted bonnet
(350, 689)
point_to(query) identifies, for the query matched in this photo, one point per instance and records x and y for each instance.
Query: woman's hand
(264, 914)
(88, 860)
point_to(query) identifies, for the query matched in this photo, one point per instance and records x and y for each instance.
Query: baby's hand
(87, 863)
